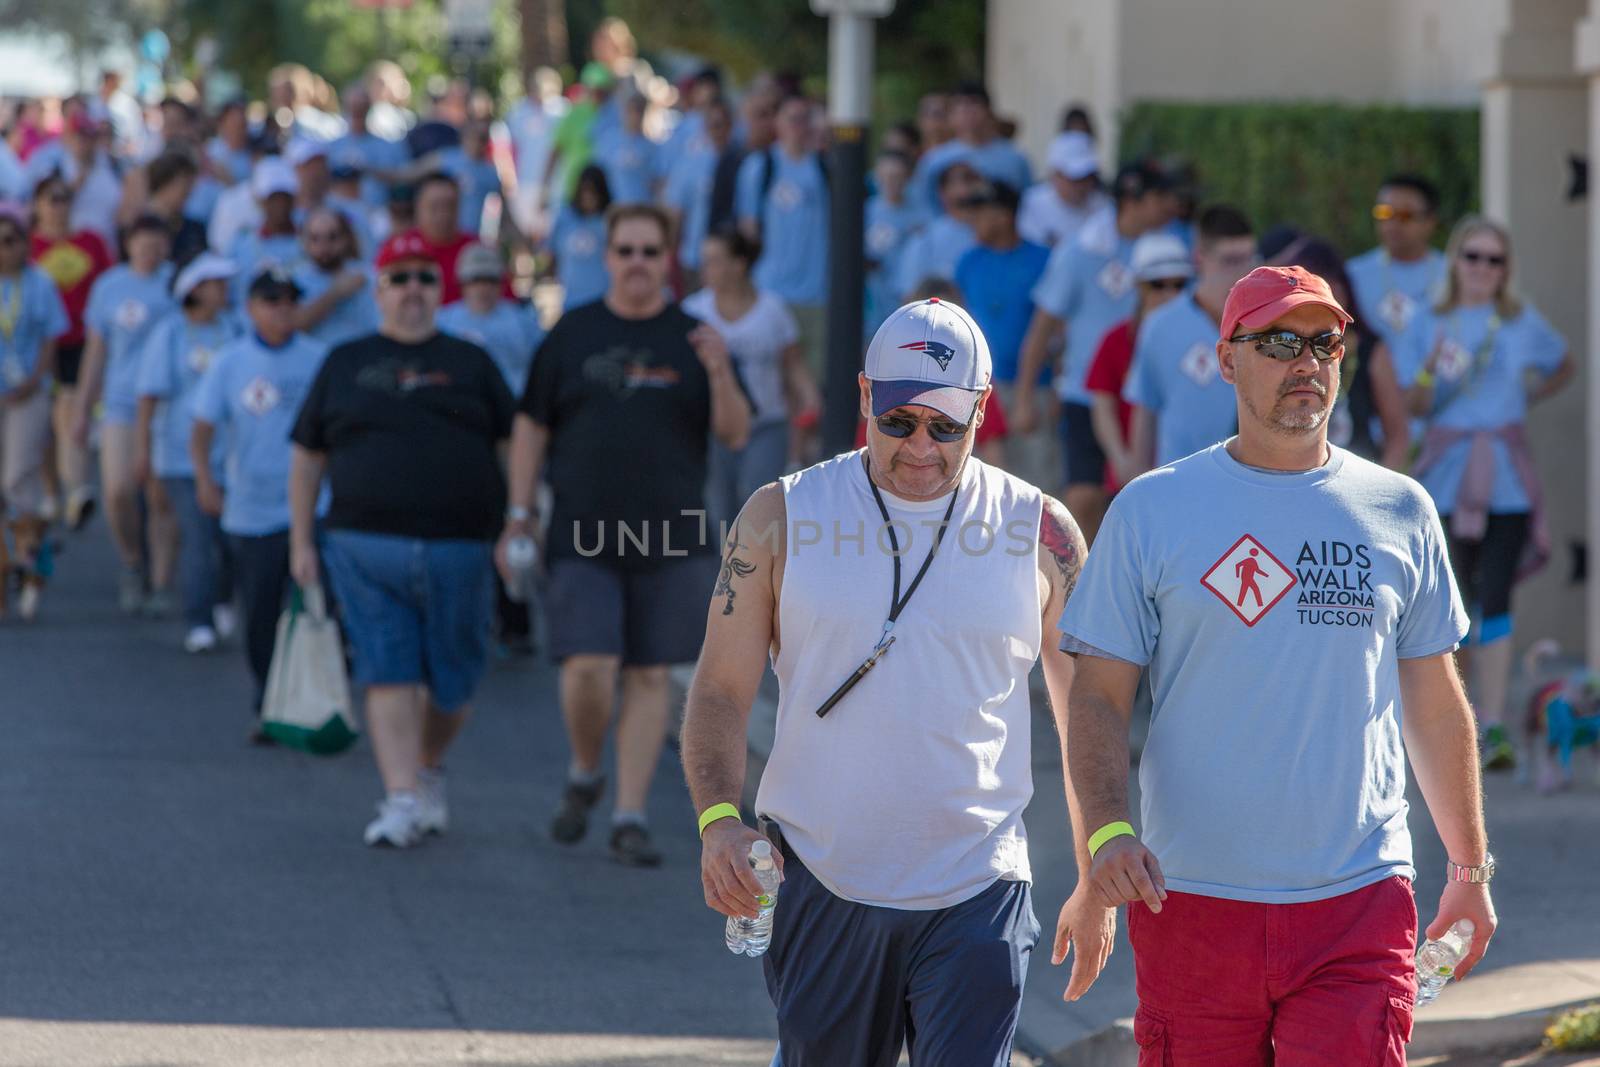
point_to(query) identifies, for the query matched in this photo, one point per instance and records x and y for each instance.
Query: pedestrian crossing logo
(260, 396)
(1249, 579)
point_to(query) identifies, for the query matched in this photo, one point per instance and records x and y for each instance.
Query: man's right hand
(501, 563)
(209, 496)
(725, 871)
(1025, 419)
(1123, 871)
(349, 282)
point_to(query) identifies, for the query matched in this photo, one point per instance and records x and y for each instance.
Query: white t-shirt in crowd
(1046, 219)
(756, 341)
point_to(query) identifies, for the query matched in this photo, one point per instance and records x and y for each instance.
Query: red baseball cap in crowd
(1267, 293)
(403, 246)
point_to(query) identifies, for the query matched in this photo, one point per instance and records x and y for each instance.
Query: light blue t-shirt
(477, 179)
(579, 243)
(1175, 374)
(995, 286)
(1273, 611)
(1089, 283)
(1389, 294)
(253, 253)
(998, 160)
(176, 356)
(1481, 385)
(253, 393)
(794, 224)
(688, 192)
(123, 308)
(888, 228)
(631, 162)
(31, 313)
(368, 152)
(355, 316)
(509, 333)
(932, 252)
(238, 163)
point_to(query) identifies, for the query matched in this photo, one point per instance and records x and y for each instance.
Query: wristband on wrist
(1425, 378)
(715, 812)
(1110, 830)
(515, 514)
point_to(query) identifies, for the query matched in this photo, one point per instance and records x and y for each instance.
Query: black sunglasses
(644, 251)
(1163, 285)
(406, 277)
(1285, 346)
(276, 297)
(1484, 257)
(944, 431)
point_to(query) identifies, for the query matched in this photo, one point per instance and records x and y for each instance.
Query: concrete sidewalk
(1545, 956)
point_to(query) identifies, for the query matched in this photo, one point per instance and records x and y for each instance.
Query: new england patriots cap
(930, 353)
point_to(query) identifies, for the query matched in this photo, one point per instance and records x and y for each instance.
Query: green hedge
(1316, 166)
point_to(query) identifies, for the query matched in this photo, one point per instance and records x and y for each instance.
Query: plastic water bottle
(1437, 960)
(750, 937)
(522, 555)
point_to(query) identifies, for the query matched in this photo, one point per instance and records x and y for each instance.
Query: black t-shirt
(410, 434)
(628, 406)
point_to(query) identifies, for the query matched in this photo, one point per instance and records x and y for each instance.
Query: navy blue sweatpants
(854, 983)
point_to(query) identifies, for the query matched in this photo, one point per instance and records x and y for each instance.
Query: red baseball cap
(1266, 293)
(401, 246)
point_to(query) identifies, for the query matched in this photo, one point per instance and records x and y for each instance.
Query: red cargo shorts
(1228, 983)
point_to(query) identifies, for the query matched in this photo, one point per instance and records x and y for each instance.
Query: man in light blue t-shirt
(1288, 599)
(781, 196)
(1404, 274)
(1181, 402)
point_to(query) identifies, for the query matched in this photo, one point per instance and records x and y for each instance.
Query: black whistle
(850, 682)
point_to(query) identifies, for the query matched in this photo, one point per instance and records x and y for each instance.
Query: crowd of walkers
(269, 341)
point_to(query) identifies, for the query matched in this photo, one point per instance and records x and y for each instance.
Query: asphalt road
(172, 896)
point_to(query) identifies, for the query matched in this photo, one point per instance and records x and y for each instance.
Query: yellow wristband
(1425, 378)
(715, 812)
(1106, 833)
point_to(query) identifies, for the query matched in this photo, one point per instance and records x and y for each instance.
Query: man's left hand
(1466, 900)
(1089, 930)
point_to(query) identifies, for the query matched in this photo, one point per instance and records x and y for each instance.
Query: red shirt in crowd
(445, 256)
(73, 263)
(1106, 375)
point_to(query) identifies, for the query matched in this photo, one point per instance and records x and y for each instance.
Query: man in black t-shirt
(406, 424)
(621, 403)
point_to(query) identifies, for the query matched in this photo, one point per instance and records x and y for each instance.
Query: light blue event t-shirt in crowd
(888, 227)
(1390, 294)
(510, 333)
(1175, 374)
(176, 357)
(579, 242)
(253, 393)
(33, 312)
(1481, 385)
(1088, 283)
(794, 224)
(123, 308)
(354, 316)
(1273, 610)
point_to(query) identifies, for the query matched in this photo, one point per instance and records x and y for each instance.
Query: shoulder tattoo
(1061, 538)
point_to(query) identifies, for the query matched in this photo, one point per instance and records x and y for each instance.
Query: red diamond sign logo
(1249, 579)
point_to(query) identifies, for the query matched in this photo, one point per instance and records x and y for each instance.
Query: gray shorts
(648, 617)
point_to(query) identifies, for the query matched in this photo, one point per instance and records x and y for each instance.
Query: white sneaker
(28, 602)
(433, 808)
(396, 825)
(225, 620)
(200, 639)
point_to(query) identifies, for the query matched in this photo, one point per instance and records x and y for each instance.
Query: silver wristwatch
(1454, 872)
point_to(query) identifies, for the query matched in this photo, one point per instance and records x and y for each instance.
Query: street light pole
(850, 41)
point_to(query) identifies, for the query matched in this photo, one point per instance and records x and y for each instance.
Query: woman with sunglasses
(73, 258)
(578, 241)
(32, 316)
(764, 342)
(1471, 365)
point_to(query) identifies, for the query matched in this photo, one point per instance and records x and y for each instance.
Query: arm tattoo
(1061, 539)
(732, 567)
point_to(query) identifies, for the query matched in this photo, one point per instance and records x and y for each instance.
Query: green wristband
(1106, 833)
(715, 812)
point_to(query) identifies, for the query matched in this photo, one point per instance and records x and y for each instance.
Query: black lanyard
(897, 603)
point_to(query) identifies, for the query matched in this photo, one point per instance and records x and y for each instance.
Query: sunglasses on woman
(1484, 257)
(1285, 346)
(945, 431)
(1166, 285)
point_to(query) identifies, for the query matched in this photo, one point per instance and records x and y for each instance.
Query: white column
(1587, 56)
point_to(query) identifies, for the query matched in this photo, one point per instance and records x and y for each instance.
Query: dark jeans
(261, 570)
(205, 558)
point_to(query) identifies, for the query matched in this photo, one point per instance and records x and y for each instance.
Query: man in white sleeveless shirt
(901, 764)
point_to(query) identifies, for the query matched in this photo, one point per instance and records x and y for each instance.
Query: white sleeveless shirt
(909, 793)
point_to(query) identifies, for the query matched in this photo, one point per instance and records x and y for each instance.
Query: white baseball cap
(303, 150)
(1072, 153)
(273, 175)
(929, 353)
(1160, 255)
(207, 266)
